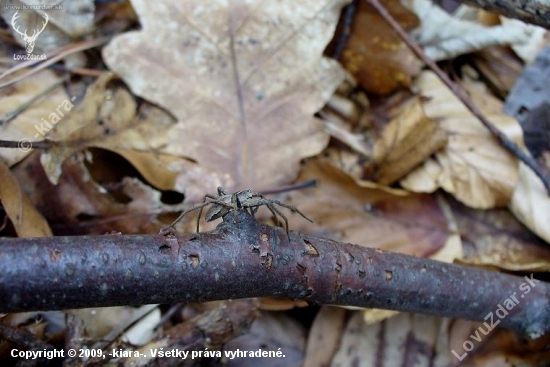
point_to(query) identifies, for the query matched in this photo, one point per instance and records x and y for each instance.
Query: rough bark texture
(530, 11)
(243, 258)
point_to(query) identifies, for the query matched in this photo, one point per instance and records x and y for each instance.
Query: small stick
(349, 15)
(462, 96)
(27, 144)
(291, 187)
(13, 114)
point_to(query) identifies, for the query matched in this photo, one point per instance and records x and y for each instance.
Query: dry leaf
(338, 129)
(280, 304)
(495, 238)
(76, 18)
(76, 129)
(531, 204)
(270, 331)
(380, 61)
(474, 167)
(500, 66)
(529, 48)
(500, 347)
(106, 119)
(243, 79)
(444, 36)
(343, 211)
(324, 336)
(28, 125)
(353, 165)
(405, 142)
(395, 342)
(27, 221)
(99, 322)
(78, 205)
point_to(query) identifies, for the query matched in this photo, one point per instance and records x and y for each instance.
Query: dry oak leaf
(243, 79)
(473, 166)
(106, 118)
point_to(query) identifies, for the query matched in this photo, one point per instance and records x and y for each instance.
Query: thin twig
(26, 144)
(462, 96)
(349, 15)
(62, 53)
(78, 71)
(291, 187)
(13, 114)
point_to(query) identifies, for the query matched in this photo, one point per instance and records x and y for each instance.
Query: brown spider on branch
(245, 199)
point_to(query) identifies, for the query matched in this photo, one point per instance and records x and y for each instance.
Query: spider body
(249, 200)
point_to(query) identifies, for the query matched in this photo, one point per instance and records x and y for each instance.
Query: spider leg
(194, 207)
(271, 206)
(199, 219)
(221, 191)
(204, 201)
(291, 208)
(200, 206)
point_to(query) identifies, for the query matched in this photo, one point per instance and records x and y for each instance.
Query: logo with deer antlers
(29, 40)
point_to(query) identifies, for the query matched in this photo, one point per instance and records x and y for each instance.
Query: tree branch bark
(530, 11)
(242, 258)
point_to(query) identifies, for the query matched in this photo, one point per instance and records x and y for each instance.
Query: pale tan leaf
(534, 43)
(106, 118)
(341, 131)
(84, 124)
(353, 165)
(443, 35)
(474, 167)
(324, 336)
(27, 221)
(29, 125)
(531, 204)
(372, 316)
(280, 304)
(394, 342)
(406, 141)
(242, 78)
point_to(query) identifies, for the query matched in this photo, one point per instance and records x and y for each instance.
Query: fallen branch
(530, 11)
(242, 258)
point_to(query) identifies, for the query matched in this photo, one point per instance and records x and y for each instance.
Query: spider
(247, 199)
